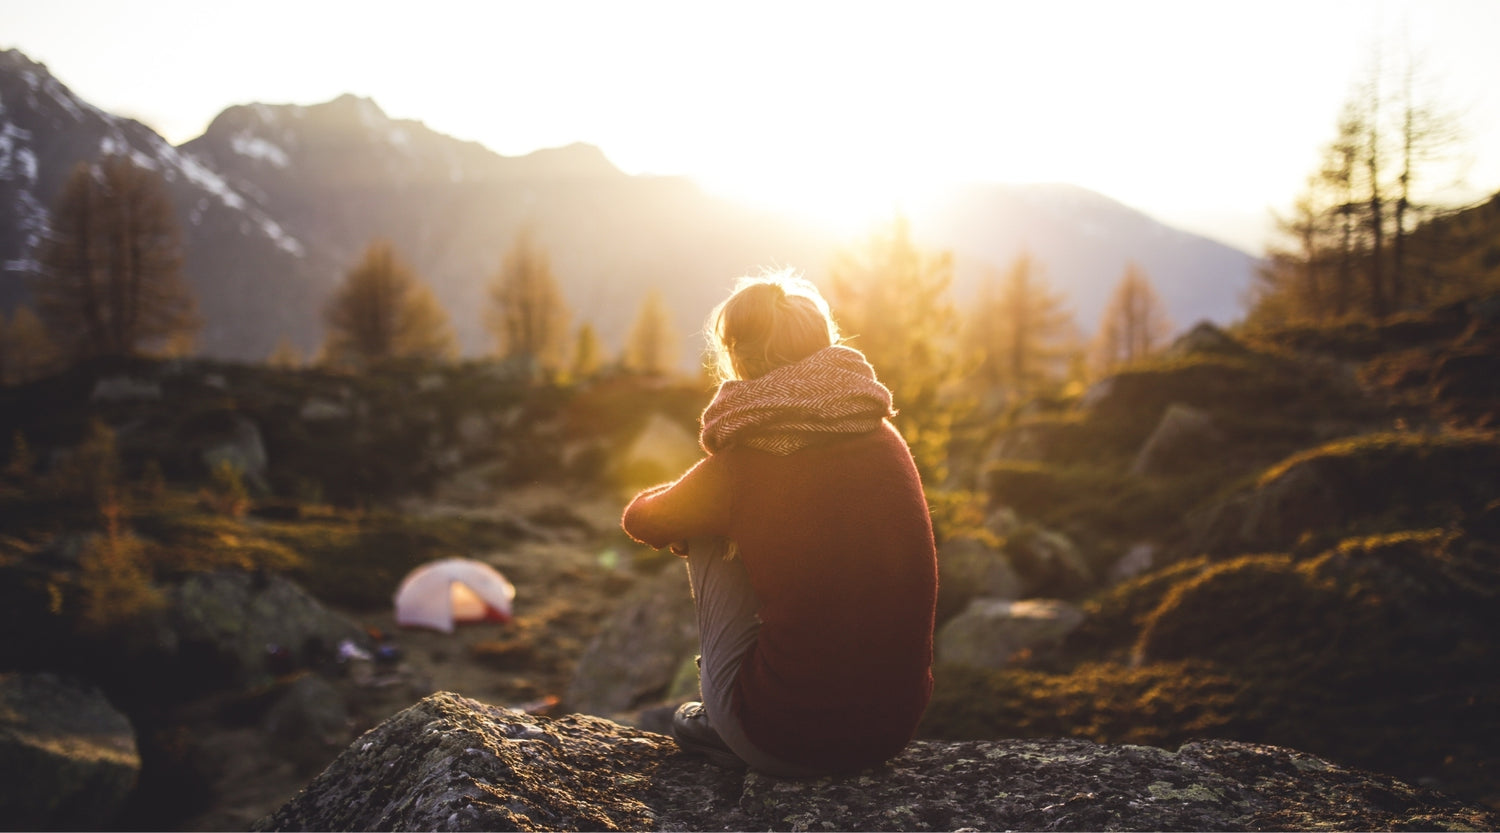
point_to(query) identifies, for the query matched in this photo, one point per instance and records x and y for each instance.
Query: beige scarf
(831, 392)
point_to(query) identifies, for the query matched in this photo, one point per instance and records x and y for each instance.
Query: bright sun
(843, 202)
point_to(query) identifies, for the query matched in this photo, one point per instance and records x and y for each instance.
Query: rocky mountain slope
(277, 201)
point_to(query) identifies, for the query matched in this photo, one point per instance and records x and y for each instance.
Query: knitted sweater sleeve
(694, 506)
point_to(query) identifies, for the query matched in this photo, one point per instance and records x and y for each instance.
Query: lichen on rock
(451, 763)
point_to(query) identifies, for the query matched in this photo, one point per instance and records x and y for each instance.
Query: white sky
(1204, 114)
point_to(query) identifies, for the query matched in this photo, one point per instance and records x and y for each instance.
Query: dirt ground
(567, 581)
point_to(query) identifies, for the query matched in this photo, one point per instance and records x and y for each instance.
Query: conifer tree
(588, 353)
(1018, 329)
(1135, 323)
(110, 282)
(891, 300)
(26, 350)
(1346, 249)
(527, 314)
(383, 311)
(651, 347)
(285, 356)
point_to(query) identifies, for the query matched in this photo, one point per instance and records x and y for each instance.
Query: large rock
(450, 763)
(1048, 563)
(637, 654)
(228, 437)
(990, 632)
(1370, 483)
(1184, 438)
(969, 568)
(662, 450)
(251, 626)
(67, 757)
(1206, 337)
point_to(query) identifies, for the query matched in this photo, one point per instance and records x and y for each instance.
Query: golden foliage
(383, 311)
(588, 353)
(652, 345)
(111, 265)
(113, 579)
(1135, 323)
(527, 314)
(892, 300)
(27, 352)
(1018, 330)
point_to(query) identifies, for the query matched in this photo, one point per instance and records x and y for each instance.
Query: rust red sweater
(838, 544)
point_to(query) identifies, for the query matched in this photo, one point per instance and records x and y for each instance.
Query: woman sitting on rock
(809, 548)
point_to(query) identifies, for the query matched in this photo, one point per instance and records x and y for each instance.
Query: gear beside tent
(439, 594)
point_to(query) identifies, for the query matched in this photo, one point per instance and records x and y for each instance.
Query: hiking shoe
(693, 732)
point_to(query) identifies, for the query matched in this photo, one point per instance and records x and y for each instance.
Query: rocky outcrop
(1183, 439)
(990, 632)
(68, 759)
(450, 763)
(968, 568)
(638, 653)
(251, 626)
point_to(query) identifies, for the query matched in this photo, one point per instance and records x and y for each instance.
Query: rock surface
(241, 621)
(68, 759)
(639, 652)
(992, 631)
(967, 569)
(450, 763)
(1183, 439)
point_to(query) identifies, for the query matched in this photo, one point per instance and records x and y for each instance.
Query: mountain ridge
(277, 201)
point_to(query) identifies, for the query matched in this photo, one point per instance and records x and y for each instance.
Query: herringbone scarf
(833, 391)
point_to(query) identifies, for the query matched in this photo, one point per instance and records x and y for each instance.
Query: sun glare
(844, 204)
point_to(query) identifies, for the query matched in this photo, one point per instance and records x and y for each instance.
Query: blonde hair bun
(772, 320)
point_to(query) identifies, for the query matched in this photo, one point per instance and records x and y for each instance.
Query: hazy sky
(1204, 114)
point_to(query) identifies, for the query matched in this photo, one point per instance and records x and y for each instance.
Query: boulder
(451, 763)
(1183, 438)
(319, 409)
(970, 568)
(68, 758)
(1205, 337)
(249, 627)
(636, 656)
(1368, 483)
(991, 632)
(1137, 560)
(125, 389)
(1048, 563)
(309, 720)
(662, 450)
(225, 436)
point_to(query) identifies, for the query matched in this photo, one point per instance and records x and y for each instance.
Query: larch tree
(1348, 249)
(1135, 322)
(384, 311)
(652, 345)
(891, 300)
(26, 350)
(527, 315)
(588, 353)
(1018, 329)
(110, 280)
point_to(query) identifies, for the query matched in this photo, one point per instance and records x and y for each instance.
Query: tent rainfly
(439, 594)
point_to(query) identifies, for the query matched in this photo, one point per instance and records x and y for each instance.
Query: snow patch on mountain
(16, 159)
(255, 147)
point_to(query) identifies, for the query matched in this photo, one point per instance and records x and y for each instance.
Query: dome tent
(439, 594)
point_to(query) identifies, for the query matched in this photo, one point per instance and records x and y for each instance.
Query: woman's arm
(697, 504)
